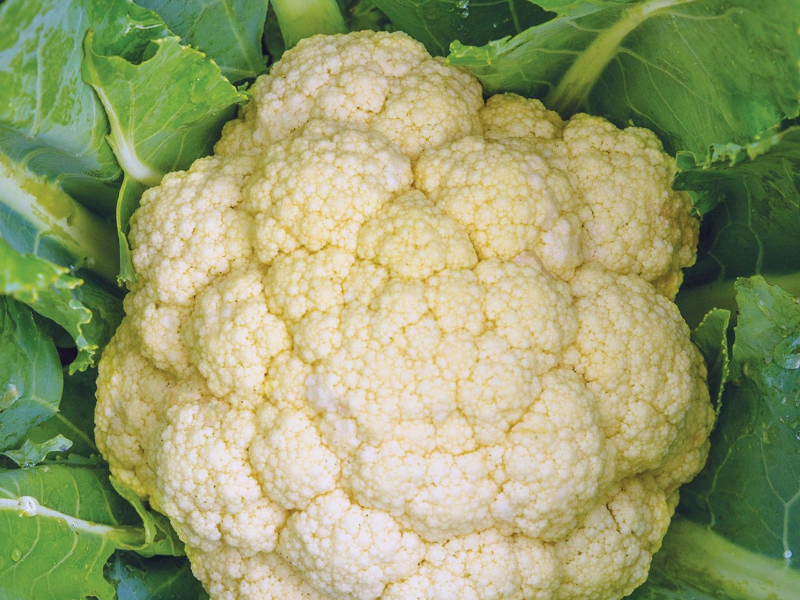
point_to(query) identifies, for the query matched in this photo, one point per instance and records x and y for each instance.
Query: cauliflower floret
(227, 574)
(204, 479)
(283, 442)
(634, 351)
(609, 553)
(126, 416)
(385, 82)
(392, 343)
(482, 566)
(512, 116)
(411, 238)
(634, 222)
(362, 170)
(506, 197)
(231, 335)
(554, 460)
(348, 551)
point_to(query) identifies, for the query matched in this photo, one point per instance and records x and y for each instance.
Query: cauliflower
(394, 342)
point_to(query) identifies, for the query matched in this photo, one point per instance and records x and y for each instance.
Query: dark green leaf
(30, 373)
(50, 120)
(697, 72)
(75, 417)
(364, 14)
(750, 489)
(33, 453)
(228, 31)
(163, 578)
(751, 225)
(438, 23)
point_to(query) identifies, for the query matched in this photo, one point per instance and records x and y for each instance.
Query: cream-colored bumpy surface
(394, 342)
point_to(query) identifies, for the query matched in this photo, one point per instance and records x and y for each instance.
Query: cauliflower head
(392, 341)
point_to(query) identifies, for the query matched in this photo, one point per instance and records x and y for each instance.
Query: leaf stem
(696, 555)
(27, 506)
(300, 19)
(87, 240)
(571, 93)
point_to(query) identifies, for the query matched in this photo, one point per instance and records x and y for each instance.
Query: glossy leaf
(33, 453)
(438, 23)
(697, 72)
(162, 578)
(50, 119)
(228, 31)
(30, 374)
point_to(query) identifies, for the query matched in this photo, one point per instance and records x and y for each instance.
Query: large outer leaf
(697, 72)
(751, 225)
(437, 23)
(58, 521)
(30, 374)
(137, 578)
(228, 31)
(64, 519)
(750, 488)
(50, 119)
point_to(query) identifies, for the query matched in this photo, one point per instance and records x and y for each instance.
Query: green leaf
(438, 23)
(75, 417)
(87, 310)
(300, 20)
(712, 340)
(163, 578)
(750, 488)
(50, 120)
(364, 14)
(753, 208)
(61, 520)
(129, 196)
(166, 102)
(697, 72)
(33, 453)
(26, 277)
(38, 217)
(228, 31)
(30, 373)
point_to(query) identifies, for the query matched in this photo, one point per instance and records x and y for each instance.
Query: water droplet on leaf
(16, 554)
